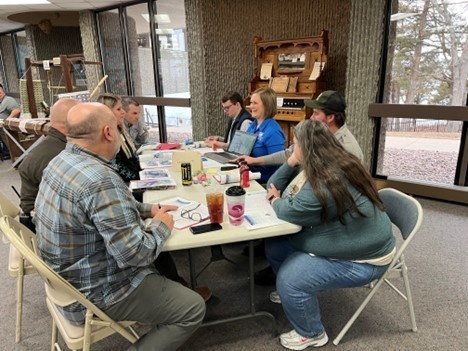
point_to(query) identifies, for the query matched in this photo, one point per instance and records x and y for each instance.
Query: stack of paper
(156, 160)
(153, 179)
(258, 211)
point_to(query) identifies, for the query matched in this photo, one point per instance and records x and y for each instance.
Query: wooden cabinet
(296, 70)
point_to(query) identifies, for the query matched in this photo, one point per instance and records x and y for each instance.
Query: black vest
(243, 115)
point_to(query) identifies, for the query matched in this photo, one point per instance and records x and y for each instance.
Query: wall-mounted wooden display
(296, 70)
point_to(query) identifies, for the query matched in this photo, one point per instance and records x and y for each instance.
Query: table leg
(253, 313)
(193, 274)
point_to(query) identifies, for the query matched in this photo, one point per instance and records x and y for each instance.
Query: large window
(138, 67)
(428, 65)
(12, 55)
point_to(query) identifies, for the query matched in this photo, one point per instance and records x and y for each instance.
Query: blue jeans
(300, 277)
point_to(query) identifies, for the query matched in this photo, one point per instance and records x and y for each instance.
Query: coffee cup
(235, 199)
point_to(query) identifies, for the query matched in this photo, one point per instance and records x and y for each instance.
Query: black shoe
(265, 277)
(259, 250)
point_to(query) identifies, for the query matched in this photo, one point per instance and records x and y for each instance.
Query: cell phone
(229, 167)
(205, 228)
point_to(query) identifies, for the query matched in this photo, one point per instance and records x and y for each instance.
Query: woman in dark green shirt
(346, 238)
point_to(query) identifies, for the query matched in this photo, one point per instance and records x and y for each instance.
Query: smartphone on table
(205, 228)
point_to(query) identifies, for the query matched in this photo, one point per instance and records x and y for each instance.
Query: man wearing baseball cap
(329, 107)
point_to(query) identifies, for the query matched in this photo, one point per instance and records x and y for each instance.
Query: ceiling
(60, 12)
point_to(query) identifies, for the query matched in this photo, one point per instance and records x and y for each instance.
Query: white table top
(184, 239)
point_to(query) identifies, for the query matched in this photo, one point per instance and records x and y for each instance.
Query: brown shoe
(203, 291)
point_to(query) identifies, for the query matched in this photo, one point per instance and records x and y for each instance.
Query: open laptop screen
(242, 143)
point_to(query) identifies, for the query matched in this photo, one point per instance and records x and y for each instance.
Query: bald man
(92, 231)
(37, 159)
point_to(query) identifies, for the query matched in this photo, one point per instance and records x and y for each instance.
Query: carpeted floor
(438, 266)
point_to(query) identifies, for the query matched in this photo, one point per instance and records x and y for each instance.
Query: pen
(248, 219)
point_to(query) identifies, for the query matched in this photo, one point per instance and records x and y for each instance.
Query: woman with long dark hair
(346, 238)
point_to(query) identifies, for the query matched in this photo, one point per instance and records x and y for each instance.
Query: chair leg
(356, 314)
(53, 337)
(87, 331)
(19, 302)
(409, 298)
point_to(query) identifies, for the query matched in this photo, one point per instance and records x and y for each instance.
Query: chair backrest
(60, 291)
(405, 212)
(7, 208)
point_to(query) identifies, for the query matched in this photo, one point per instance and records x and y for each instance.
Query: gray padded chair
(406, 214)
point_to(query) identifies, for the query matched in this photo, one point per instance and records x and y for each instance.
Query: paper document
(265, 72)
(258, 212)
(188, 213)
(152, 184)
(316, 70)
(156, 160)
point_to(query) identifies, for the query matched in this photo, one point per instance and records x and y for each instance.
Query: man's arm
(276, 158)
(15, 113)
(143, 135)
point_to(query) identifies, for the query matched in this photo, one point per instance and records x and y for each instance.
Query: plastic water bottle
(244, 171)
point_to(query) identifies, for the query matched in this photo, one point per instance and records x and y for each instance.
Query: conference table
(185, 240)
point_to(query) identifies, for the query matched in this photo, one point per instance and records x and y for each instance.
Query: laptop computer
(242, 143)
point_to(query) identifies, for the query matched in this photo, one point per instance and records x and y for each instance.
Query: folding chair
(17, 267)
(406, 214)
(60, 292)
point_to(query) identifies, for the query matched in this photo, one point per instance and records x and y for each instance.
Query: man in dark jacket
(239, 119)
(38, 158)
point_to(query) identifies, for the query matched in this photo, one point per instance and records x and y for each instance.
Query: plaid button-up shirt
(91, 231)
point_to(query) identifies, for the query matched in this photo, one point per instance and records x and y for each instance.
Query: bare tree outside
(428, 50)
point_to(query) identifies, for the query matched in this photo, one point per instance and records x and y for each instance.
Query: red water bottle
(244, 171)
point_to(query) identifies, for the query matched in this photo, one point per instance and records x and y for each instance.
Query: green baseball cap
(328, 100)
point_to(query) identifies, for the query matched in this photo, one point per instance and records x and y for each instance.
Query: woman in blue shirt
(270, 136)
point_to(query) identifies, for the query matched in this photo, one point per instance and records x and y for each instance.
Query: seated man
(239, 119)
(32, 166)
(8, 108)
(133, 122)
(91, 230)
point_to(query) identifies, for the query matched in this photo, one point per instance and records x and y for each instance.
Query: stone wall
(220, 41)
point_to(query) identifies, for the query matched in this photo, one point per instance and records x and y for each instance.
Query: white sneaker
(274, 297)
(294, 341)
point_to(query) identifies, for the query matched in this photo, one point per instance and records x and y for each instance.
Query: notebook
(242, 143)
